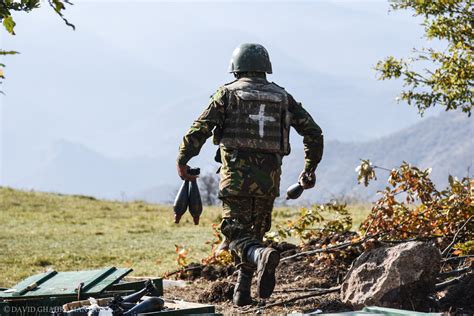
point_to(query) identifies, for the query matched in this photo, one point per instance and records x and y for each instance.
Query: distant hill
(76, 169)
(444, 143)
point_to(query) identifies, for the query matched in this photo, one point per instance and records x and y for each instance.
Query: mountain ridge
(444, 143)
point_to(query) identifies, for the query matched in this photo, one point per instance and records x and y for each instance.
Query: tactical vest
(257, 118)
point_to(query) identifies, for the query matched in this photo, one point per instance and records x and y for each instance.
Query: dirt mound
(219, 291)
(301, 276)
(214, 284)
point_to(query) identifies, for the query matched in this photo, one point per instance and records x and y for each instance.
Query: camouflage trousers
(245, 220)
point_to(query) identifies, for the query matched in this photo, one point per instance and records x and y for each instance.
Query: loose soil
(296, 277)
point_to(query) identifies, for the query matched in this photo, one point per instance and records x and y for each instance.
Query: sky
(132, 77)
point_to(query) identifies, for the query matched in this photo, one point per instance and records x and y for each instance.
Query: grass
(67, 232)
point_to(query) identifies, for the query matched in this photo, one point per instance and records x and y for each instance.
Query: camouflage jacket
(250, 173)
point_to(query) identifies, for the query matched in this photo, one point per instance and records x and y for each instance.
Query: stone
(402, 276)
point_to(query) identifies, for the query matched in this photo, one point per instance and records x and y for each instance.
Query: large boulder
(401, 276)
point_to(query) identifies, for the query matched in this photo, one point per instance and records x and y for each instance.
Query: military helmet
(250, 58)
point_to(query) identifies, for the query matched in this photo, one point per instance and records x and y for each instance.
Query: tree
(448, 79)
(6, 18)
(209, 187)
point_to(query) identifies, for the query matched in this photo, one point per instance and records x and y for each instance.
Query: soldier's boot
(266, 259)
(242, 295)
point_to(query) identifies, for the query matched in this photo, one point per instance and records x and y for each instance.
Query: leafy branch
(448, 81)
(423, 212)
(6, 18)
(315, 222)
(9, 6)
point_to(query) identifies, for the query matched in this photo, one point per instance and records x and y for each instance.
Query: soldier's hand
(307, 179)
(183, 173)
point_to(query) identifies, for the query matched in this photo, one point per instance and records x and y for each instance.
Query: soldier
(250, 119)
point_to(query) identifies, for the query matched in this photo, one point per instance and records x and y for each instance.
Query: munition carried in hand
(306, 180)
(195, 203)
(294, 191)
(188, 196)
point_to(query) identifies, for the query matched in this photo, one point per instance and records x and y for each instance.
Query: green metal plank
(25, 283)
(66, 283)
(89, 284)
(358, 313)
(395, 312)
(108, 280)
(47, 275)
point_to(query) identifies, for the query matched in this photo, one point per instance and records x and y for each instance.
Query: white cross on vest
(261, 119)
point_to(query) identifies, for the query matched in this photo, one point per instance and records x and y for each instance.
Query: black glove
(307, 179)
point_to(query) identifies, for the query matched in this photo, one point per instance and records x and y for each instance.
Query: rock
(401, 276)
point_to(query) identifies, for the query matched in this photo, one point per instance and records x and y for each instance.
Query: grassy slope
(40, 230)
